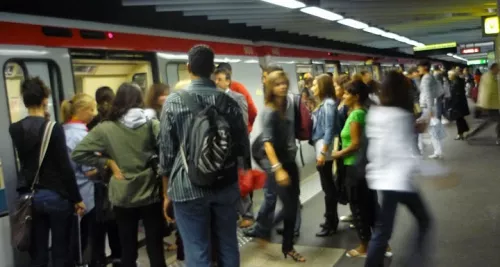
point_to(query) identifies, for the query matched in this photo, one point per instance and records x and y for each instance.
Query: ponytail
(67, 110)
(70, 107)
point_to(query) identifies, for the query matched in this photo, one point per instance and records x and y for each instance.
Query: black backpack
(207, 148)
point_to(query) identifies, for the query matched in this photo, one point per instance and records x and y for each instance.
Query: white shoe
(436, 156)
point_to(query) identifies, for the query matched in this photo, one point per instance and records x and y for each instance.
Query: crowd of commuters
(123, 160)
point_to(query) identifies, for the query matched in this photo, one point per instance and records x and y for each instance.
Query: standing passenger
(322, 136)
(106, 222)
(56, 194)
(390, 129)
(459, 108)
(155, 97)
(488, 99)
(280, 166)
(223, 81)
(429, 93)
(266, 217)
(342, 112)
(127, 141)
(202, 213)
(240, 88)
(362, 200)
(76, 114)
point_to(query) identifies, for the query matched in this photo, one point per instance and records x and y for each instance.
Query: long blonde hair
(70, 107)
(269, 97)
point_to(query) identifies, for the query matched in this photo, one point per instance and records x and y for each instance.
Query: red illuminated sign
(471, 50)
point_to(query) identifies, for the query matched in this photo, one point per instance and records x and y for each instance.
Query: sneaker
(347, 218)
(498, 142)
(245, 223)
(435, 156)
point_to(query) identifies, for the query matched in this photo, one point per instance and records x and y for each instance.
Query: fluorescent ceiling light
(449, 54)
(321, 13)
(460, 58)
(251, 61)
(173, 56)
(374, 30)
(227, 60)
(286, 3)
(22, 52)
(390, 35)
(353, 23)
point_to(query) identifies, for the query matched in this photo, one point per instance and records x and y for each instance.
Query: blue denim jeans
(51, 213)
(385, 224)
(266, 218)
(202, 219)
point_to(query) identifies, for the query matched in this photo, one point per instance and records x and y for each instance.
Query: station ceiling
(424, 21)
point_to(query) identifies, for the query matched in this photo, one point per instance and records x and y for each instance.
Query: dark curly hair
(34, 91)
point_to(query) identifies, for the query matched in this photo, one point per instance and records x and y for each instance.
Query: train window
(91, 74)
(15, 72)
(177, 71)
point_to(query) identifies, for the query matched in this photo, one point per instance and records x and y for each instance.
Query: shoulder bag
(22, 220)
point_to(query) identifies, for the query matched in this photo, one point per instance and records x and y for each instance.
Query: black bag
(22, 219)
(206, 150)
(154, 160)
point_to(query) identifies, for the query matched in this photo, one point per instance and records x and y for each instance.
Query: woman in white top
(390, 129)
(155, 97)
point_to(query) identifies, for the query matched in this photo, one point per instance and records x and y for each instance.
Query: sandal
(171, 247)
(353, 253)
(295, 256)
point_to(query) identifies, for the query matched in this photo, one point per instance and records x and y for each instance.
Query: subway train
(76, 56)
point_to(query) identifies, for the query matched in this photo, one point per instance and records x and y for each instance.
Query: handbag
(22, 219)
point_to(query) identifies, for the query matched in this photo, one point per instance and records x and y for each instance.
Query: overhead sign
(491, 26)
(435, 49)
(470, 50)
(435, 46)
(477, 62)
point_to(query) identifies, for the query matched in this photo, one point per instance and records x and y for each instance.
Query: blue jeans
(51, 213)
(266, 218)
(209, 217)
(385, 224)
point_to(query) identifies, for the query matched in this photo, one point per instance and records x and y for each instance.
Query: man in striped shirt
(202, 213)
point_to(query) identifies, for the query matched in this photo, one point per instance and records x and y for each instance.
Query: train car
(76, 56)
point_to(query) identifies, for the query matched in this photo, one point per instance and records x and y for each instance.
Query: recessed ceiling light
(286, 3)
(321, 13)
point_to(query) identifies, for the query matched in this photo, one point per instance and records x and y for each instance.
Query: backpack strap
(190, 102)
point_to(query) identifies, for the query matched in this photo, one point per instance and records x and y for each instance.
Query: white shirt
(391, 138)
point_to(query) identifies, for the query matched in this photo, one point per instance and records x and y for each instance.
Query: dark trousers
(385, 224)
(128, 227)
(99, 241)
(87, 227)
(462, 125)
(330, 190)
(439, 107)
(363, 203)
(51, 213)
(289, 196)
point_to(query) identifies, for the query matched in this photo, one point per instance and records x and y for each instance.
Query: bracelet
(275, 167)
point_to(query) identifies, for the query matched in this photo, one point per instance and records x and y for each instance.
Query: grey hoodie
(134, 118)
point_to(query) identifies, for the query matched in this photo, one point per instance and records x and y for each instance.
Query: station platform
(465, 213)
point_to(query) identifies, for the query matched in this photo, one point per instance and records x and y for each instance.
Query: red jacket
(252, 109)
